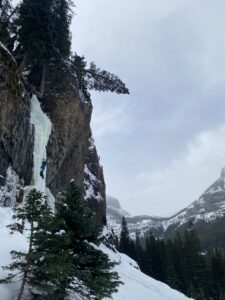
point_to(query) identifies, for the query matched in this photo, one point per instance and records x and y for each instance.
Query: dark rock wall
(68, 148)
(16, 136)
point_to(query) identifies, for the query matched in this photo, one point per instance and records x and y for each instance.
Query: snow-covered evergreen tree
(91, 267)
(33, 217)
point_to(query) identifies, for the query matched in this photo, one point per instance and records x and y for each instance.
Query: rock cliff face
(16, 136)
(94, 183)
(69, 151)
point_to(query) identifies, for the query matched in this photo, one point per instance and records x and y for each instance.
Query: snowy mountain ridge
(209, 207)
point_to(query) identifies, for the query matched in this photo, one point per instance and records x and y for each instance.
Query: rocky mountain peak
(209, 208)
(113, 202)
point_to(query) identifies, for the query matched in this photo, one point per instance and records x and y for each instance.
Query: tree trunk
(24, 281)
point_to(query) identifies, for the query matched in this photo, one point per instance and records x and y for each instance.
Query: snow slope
(9, 242)
(137, 285)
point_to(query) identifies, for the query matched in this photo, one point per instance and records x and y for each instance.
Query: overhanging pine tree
(101, 80)
(93, 78)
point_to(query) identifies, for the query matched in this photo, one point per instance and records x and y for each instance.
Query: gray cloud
(172, 56)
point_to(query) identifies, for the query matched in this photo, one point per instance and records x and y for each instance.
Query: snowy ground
(9, 242)
(138, 285)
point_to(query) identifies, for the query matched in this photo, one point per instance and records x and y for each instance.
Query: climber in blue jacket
(43, 166)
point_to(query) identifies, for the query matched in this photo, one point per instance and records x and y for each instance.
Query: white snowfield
(137, 285)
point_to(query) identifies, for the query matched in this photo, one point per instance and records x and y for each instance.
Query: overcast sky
(164, 144)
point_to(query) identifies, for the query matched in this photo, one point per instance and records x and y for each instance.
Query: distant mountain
(207, 216)
(114, 209)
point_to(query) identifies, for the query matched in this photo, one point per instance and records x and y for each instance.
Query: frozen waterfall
(42, 130)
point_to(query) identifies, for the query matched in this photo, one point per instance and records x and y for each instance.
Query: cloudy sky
(164, 144)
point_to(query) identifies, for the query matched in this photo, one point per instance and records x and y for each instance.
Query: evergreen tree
(195, 268)
(171, 273)
(78, 67)
(93, 78)
(44, 38)
(61, 19)
(36, 32)
(124, 242)
(138, 249)
(37, 213)
(217, 274)
(91, 267)
(44, 30)
(5, 9)
(63, 257)
(101, 80)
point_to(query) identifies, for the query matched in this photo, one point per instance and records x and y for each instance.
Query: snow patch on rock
(8, 192)
(89, 183)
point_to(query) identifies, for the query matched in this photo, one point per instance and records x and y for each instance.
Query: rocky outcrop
(114, 209)
(94, 183)
(69, 149)
(16, 136)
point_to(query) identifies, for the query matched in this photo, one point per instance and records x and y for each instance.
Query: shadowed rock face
(94, 182)
(16, 134)
(68, 148)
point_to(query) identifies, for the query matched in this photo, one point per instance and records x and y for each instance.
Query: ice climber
(43, 166)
